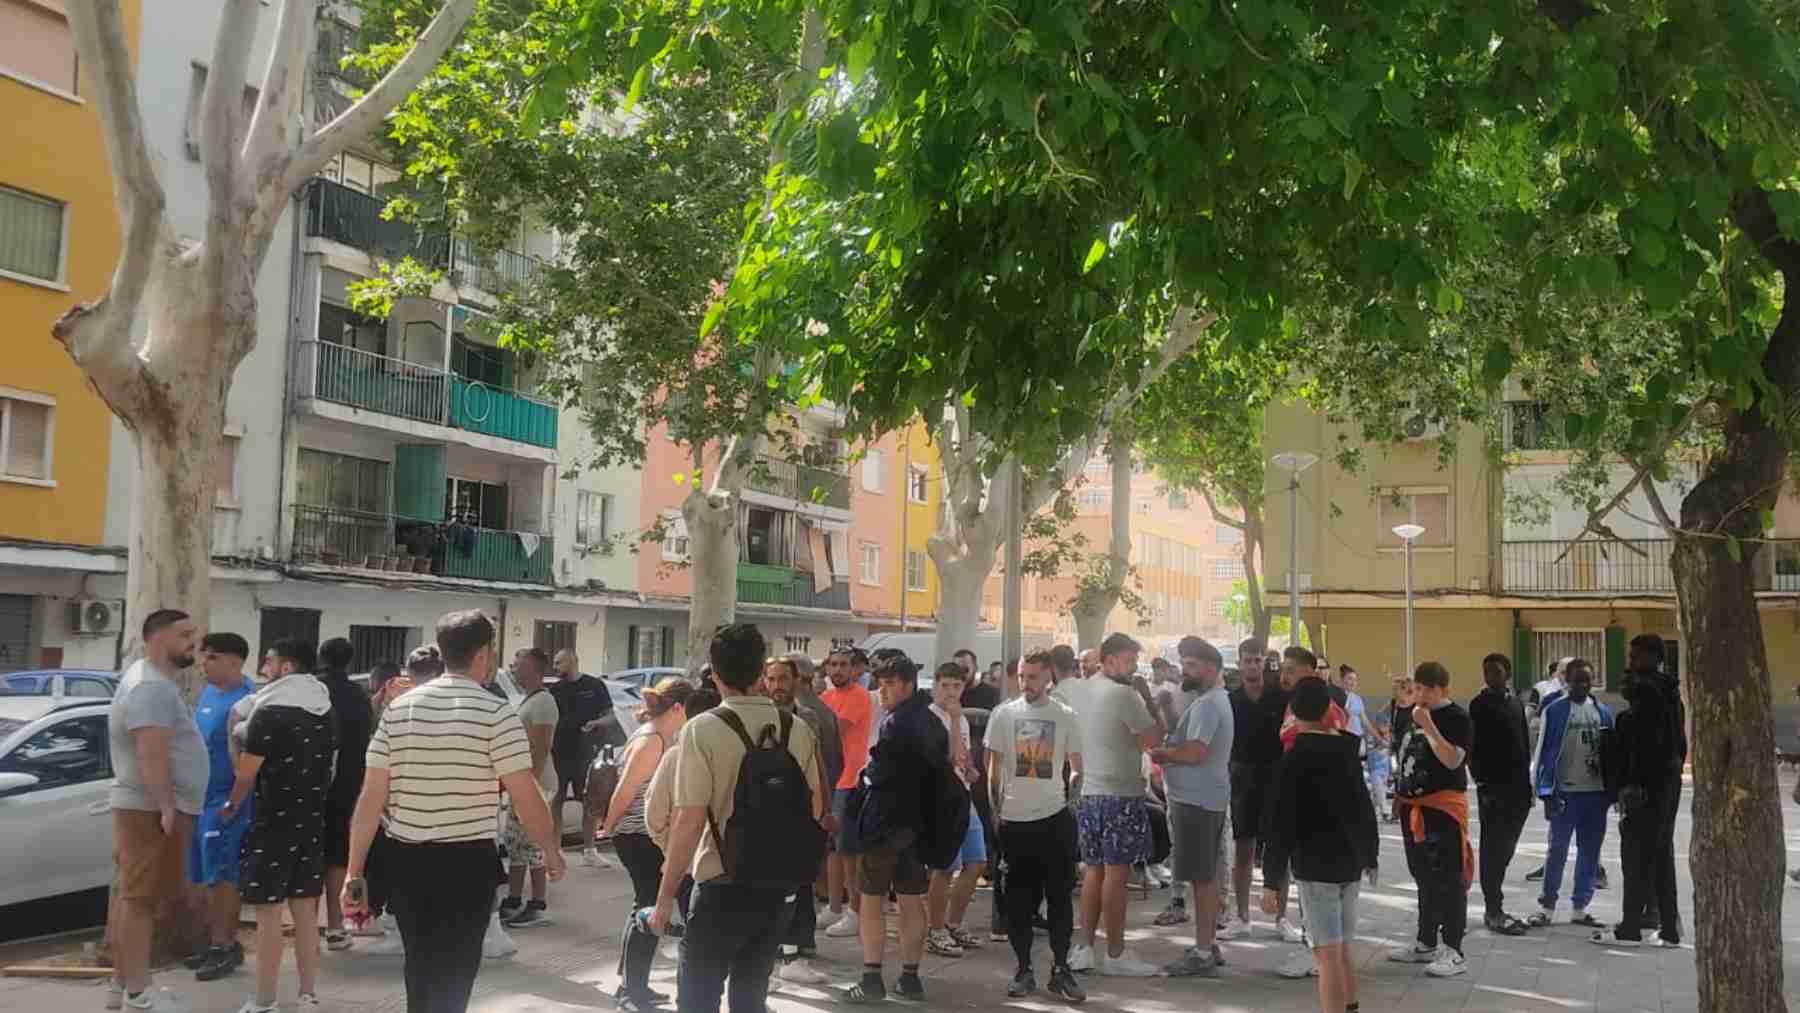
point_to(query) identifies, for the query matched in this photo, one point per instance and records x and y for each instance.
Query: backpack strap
(736, 724)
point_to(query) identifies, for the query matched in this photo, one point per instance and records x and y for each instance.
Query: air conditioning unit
(1421, 426)
(94, 617)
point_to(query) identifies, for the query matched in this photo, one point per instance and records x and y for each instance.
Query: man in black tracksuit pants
(1501, 767)
(1648, 752)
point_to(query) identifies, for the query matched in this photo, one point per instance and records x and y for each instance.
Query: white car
(56, 782)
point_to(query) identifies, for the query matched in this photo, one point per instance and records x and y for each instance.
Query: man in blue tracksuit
(1572, 783)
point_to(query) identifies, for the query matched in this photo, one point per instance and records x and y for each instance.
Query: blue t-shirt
(214, 717)
(1208, 785)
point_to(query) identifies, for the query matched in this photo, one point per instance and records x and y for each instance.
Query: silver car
(56, 783)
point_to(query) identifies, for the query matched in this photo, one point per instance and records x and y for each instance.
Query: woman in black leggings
(660, 720)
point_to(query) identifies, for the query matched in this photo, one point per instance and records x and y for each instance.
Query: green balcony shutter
(1615, 654)
(668, 645)
(631, 656)
(419, 481)
(1524, 665)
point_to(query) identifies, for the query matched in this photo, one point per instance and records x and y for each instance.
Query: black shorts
(281, 865)
(893, 866)
(1250, 786)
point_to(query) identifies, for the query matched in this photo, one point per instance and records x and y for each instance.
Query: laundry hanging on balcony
(529, 542)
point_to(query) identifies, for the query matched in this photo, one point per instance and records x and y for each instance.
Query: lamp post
(1408, 533)
(1294, 462)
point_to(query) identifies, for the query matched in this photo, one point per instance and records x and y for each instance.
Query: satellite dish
(1416, 426)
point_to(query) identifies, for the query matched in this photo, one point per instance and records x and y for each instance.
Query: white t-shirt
(1111, 716)
(1578, 766)
(1033, 741)
(540, 709)
(943, 716)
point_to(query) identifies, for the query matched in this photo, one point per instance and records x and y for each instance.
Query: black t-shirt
(1256, 726)
(578, 701)
(355, 724)
(1421, 773)
(1399, 723)
(1503, 756)
(981, 695)
(297, 747)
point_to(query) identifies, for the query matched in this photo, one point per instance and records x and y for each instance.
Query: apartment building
(59, 240)
(1500, 566)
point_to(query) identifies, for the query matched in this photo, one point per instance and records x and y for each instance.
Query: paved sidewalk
(570, 966)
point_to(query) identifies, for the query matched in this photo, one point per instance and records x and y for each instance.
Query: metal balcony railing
(349, 216)
(758, 584)
(377, 383)
(804, 482)
(493, 271)
(330, 536)
(478, 408)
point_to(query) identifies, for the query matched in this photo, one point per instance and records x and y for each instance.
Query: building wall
(877, 492)
(55, 150)
(922, 519)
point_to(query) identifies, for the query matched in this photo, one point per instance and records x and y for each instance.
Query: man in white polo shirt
(436, 766)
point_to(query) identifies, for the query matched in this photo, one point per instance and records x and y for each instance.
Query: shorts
(1249, 793)
(150, 861)
(1114, 830)
(893, 866)
(521, 850)
(1195, 832)
(217, 849)
(1329, 910)
(974, 845)
(840, 804)
(282, 865)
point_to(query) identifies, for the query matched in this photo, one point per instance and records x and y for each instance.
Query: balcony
(1529, 425)
(329, 536)
(780, 585)
(496, 272)
(349, 216)
(409, 390)
(1638, 565)
(802, 482)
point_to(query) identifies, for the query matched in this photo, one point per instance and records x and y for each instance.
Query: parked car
(644, 678)
(80, 682)
(56, 782)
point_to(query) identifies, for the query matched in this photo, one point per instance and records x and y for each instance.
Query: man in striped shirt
(437, 763)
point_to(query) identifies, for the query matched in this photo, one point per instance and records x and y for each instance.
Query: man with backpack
(747, 826)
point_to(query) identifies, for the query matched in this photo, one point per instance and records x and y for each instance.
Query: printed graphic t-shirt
(1032, 741)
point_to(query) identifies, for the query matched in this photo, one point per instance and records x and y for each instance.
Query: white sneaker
(250, 1006)
(1290, 933)
(1081, 958)
(1301, 965)
(800, 971)
(390, 926)
(1448, 964)
(1415, 953)
(1237, 929)
(593, 859)
(845, 927)
(165, 1000)
(497, 944)
(308, 1002)
(390, 945)
(828, 918)
(1125, 965)
(115, 994)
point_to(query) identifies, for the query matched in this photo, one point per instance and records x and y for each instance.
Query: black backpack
(772, 839)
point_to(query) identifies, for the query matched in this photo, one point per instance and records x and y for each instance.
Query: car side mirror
(13, 782)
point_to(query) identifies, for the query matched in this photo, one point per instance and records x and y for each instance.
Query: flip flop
(1507, 925)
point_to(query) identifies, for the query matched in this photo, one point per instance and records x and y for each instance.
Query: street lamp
(1294, 462)
(1407, 534)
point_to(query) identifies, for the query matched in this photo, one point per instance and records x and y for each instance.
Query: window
(1220, 607)
(593, 518)
(37, 46)
(1227, 535)
(343, 482)
(341, 326)
(370, 645)
(843, 643)
(281, 623)
(196, 96)
(916, 483)
(1589, 645)
(95, 688)
(871, 471)
(1178, 500)
(915, 571)
(31, 235)
(1427, 507)
(871, 563)
(361, 174)
(651, 646)
(225, 478)
(838, 548)
(68, 752)
(482, 504)
(1227, 569)
(798, 645)
(675, 537)
(27, 434)
(1092, 499)
(551, 637)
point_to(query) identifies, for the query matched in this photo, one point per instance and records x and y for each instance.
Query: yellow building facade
(59, 241)
(923, 506)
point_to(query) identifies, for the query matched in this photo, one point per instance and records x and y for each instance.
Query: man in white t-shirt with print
(1029, 739)
(539, 714)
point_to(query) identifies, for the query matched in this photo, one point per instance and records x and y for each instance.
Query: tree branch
(358, 123)
(1219, 516)
(268, 143)
(1649, 460)
(222, 123)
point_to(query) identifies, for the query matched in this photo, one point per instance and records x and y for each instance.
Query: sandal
(1541, 920)
(865, 993)
(1586, 921)
(1506, 925)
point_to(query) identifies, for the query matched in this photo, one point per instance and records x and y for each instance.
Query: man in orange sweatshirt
(1432, 788)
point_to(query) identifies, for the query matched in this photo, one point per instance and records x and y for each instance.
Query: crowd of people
(771, 802)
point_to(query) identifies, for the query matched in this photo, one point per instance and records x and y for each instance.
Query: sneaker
(390, 945)
(166, 1000)
(1290, 933)
(1535, 876)
(1064, 985)
(115, 994)
(390, 925)
(908, 988)
(1081, 958)
(942, 944)
(336, 940)
(308, 1001)
(1544, 918)
(1238, 928)
(1585, 920)
(196, 961)
(1612, 939)
(963, 938)
(1218, 955)
(1193, 964)
(828, 918)
(1448, 964)
(1125, 965)
(800, 971)
(1667, 944)
(533, 914)
(509, 907)
(1301, 965)
(497, 944)
(227, 960)
(844, 928)
(999, 936)
(250, 1006)
(1174, 914)
(1023, 984)
(1417, 953)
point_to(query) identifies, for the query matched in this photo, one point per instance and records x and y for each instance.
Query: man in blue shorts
(213, 856)
(953, 886)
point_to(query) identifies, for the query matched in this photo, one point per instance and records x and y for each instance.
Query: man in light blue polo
(213, 856)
